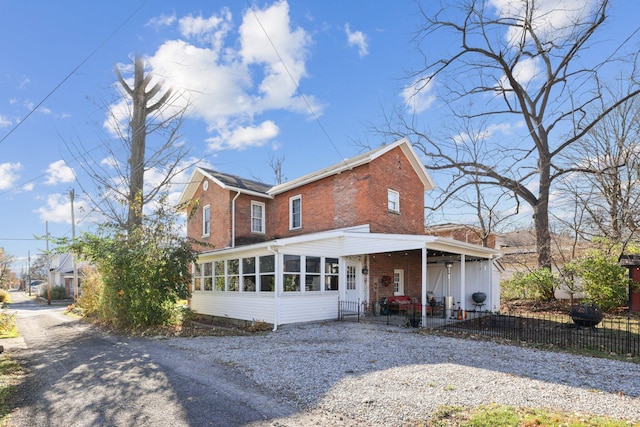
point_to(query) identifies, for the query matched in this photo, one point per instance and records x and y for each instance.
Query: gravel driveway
(376, 375)
(326, 374)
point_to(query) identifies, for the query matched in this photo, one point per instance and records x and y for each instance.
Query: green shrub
(58, 293)
(534, 284)
(604, 281)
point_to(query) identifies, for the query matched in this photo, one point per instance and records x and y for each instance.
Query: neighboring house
(61, 273)
(350, 232)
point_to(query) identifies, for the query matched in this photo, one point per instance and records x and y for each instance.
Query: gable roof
(225, 181)
(361, 159)
(255, 188)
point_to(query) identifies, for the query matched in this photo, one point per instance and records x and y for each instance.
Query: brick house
(351, 232)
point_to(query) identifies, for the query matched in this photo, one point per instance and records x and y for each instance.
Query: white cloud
(242, 137)
(4, 122)
(488, 133)
(228, 82)
(552, 19)
(525, 72)
(57, 210)
(419, 96)
(357, 39)
(59, 173)
(8, 174)
(161, 21)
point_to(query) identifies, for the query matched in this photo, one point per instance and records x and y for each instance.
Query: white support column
(424, 286)
(463, 282)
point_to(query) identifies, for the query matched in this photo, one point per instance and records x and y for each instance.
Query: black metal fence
(620, 335)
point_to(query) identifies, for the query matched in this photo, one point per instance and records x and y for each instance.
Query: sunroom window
(291, 273)
(267, 273)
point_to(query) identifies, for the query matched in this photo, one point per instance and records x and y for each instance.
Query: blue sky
(349, 59)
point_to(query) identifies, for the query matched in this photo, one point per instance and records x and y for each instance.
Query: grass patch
(10, 374)
(504, 415)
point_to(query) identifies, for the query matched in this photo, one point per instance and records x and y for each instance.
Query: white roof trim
(359, 160)
(389, 243)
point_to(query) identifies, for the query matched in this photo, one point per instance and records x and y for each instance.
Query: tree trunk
(138, 142)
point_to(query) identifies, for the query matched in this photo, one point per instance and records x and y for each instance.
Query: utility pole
(72, 195)
(49, 268)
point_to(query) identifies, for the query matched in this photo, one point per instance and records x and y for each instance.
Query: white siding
(293, 308)
(234, 305)
(308, 308)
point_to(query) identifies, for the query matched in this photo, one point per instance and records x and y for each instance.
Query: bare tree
(6, 275)
(610, 198)
(524, 63)
(147, 122)
(276, 166)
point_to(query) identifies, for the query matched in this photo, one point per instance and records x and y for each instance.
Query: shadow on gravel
(77, 375)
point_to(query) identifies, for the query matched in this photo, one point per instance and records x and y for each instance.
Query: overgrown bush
(89, 299)
(144, 272)
(7, 324)
(4, 296)
(534, 284)
(58, 293)
(604, 281)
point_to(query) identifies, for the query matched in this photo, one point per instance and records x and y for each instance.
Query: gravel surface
(362, 374)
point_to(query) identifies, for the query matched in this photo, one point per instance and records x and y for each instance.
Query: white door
(351, 292)
(398, 282)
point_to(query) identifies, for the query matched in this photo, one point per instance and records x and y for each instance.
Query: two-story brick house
(353, 231)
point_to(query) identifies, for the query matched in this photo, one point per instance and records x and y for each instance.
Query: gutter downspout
(233, 220)
(276, 293)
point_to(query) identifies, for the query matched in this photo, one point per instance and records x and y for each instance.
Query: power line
(68, 76)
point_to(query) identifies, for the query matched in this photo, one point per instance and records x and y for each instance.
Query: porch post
(463, 282)
(424, 286)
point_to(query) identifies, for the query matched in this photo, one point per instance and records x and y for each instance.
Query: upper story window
(295, 212)
(257, 217)
(393, 201)
(206, 221)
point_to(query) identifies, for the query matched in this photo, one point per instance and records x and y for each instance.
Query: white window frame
(206, 221)
(393, 201)
(292, 213)
(262, 218)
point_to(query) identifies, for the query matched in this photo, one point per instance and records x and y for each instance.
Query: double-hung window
(393, 201)
(257, 217)
(295, 212)
(206, 221)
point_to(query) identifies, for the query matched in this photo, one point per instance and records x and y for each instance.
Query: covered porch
(431, 275)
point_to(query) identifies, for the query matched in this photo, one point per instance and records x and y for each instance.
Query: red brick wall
(393, 171)
(465, 234)
(334, 202)
(351, 198)
(384, 265)
(220, 202)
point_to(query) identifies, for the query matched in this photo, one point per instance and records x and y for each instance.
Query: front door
(351, 292)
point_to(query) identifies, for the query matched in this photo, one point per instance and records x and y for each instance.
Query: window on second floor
(295, 212)
(393, 201)
(206, 221)
(257, 217)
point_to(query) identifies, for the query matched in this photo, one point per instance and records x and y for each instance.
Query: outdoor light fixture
(448, 264)
(365, 271)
